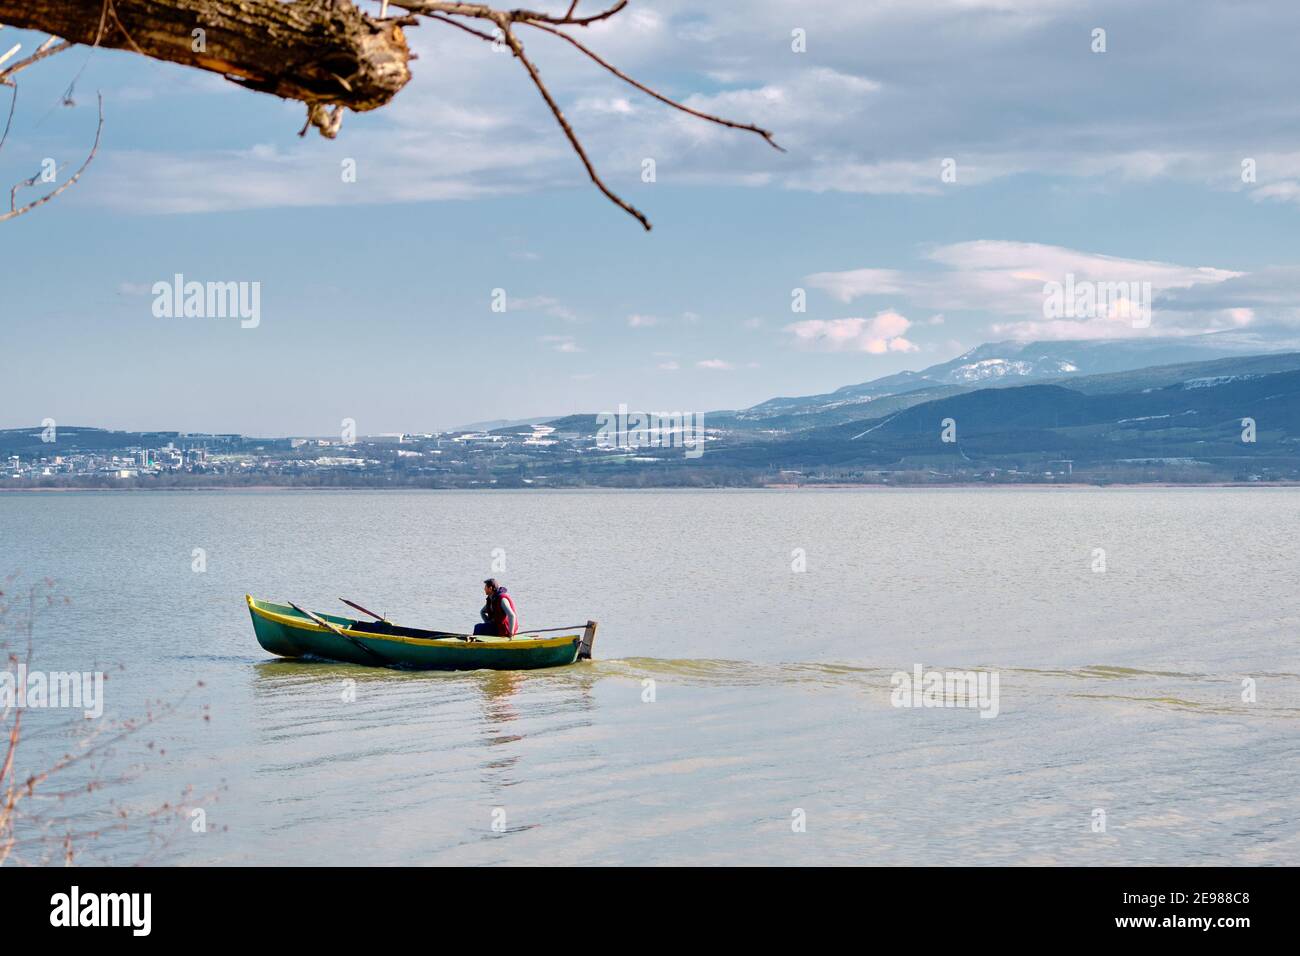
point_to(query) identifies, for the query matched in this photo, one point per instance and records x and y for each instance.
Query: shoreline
(836, 486)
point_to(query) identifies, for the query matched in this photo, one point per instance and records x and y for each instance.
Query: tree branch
(15, 210)
(657, 95)
(46, 49)
(316, 51)
(483, 11)
(326, 53)
(613, 197)
(446, 12)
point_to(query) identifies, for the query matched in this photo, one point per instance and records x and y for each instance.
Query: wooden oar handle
(323, 623)
(354, 604)
(330, 626)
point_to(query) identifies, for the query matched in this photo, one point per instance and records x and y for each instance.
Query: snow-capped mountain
(994, 368)
(1011, 363)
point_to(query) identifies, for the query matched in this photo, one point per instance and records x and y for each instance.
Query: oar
(432, 635)
(384, 620)
(377, 617)
(339, 631)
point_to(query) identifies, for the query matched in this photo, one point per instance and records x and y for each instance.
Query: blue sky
(376, 295)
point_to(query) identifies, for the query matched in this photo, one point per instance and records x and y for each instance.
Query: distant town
(1005, 413)
(87, 457)
(539, 456)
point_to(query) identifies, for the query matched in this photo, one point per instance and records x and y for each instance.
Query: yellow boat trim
(494, 643)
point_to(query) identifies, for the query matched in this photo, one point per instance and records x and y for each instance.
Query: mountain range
(995, 364)
(1174, 409)
(1208, 408)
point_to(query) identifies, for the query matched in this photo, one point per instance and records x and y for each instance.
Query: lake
(742, 704)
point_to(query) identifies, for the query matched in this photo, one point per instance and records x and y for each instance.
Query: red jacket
(504, 615)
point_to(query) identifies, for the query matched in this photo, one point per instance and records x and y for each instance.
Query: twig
(613, 197)
(48, 48)
(483, 11)
(766, 134)
(13, 102)
(463, 26)
(15, 212)
(112, 11)
(447, 12)
(326, 115)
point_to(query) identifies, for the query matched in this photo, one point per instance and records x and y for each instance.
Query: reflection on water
(1162, 691)
(585, 771)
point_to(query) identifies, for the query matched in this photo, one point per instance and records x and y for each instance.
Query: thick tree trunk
(322, 52)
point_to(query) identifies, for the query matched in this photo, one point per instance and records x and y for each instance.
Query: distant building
(541, 435)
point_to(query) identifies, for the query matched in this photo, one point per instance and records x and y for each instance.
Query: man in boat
(499, 615)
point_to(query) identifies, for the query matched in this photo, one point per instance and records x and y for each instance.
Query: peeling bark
(322, 52)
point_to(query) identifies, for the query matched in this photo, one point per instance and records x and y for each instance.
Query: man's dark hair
(491, 582)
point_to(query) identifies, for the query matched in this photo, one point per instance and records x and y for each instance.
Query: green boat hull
(285, 632)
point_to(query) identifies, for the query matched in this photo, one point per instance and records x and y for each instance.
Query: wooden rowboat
(287, 631)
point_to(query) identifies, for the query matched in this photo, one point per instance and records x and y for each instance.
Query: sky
(945, 159)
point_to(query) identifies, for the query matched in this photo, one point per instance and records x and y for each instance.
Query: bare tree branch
(309, 50)
(15, 211)
(657, 95)
(31, 802)
(446, 12)
(613, 197)
(46, 49)
(484, 11)
(13, 102)
(325, 53)
(463, 26)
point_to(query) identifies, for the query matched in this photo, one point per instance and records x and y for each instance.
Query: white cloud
(715, 365)
(560, 343)
(541, 303)
(1288, 190)
(1007, 281)
(847, 286)
(599, 105)
(944, 78)
(1267, 297)
(883, 333)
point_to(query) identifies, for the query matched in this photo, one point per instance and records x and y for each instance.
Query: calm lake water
(733, 695)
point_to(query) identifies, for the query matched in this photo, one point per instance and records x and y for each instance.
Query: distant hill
(1190, 413)
(881, 398)
(27, 441)
(497, 424)
(78, 438)
(1001, 364)
(1156, 376)
(1046, 413)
